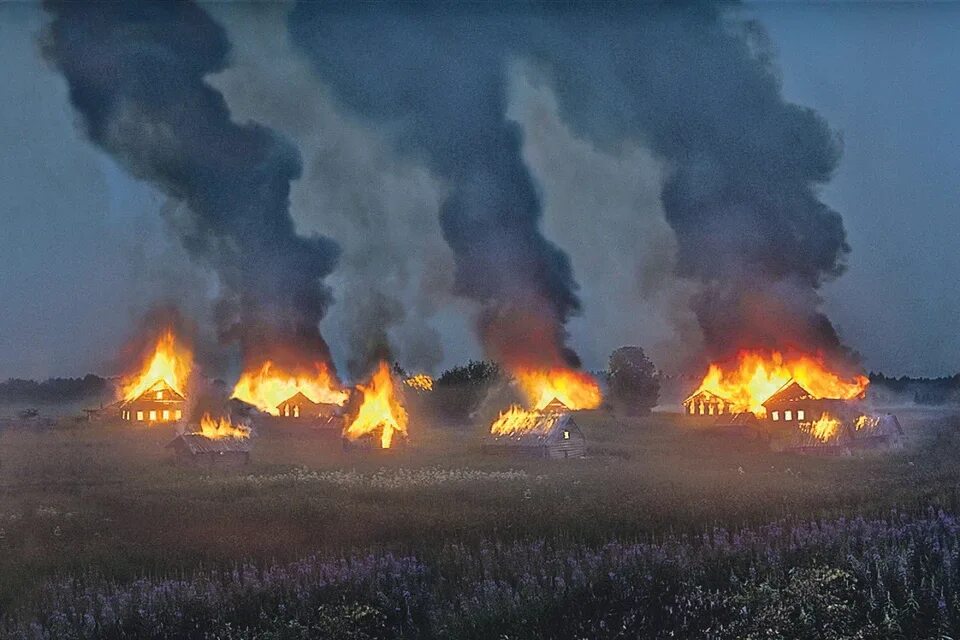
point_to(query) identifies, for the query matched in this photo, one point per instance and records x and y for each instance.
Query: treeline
(931, 391)
(53, 390)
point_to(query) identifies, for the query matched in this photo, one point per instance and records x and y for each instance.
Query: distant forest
(53, 390)
(931, 391)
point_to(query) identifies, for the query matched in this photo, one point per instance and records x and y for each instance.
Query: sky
(84, 249)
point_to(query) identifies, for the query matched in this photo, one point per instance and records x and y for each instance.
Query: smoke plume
(692, 82)
(437, 82)
(136, 73)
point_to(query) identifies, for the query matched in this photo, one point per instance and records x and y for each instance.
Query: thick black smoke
(696, 84)
(136, 76)
(692, 81)
(437, 82)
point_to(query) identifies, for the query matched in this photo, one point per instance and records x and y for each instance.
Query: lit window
(159, 395)
(153, 415)
(701, 408)
(801, 414)
(566, 435)
(166, 414)
(710, 409)
(140, 416)
(178, 414)
(296, 411)
(286, 410)
(693, 408)
(775, 415)
(788, 415)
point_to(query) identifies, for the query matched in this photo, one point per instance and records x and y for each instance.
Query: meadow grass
(103, 503)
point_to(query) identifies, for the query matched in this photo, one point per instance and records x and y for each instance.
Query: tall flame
(575, 389)
(755, 376)
(380, 409)
(269, 385)
(222, 427)
(170, 361)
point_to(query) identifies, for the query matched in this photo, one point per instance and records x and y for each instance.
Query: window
(693, 408)
(159, 395)
(140, 416)
(710, 409)
(775, 415)
(296, 411)
(166, 414)
(566, 435)
(788, 415)
(178, 414)
(701, 408)
(153, 415)
(286, 410)
(801, 414)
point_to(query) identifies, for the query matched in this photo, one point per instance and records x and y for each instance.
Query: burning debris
(380, 413)
(549, 432)
(154, 393)
(216, 441)
(831, 434)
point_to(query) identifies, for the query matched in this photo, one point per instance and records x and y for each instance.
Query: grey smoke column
(691, 81)
(437, 82)
(136, 76)
(697, 85)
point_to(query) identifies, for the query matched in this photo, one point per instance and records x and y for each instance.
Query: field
(665, 530)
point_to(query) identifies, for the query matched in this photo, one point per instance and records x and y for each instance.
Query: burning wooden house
(703, 403)
(199, 450)
(377, 418)
(159, 403)
(299, 406)
(547, 433)
(793, 405)
(832, 436)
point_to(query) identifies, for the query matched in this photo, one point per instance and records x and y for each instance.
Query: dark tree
(634, 385)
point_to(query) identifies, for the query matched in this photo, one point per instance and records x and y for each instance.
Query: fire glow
(269, 385)
(575, 389)
(221, 427)
(755, 376)
(420, 382)
(380, 410)
(826, 428)
(170, 362)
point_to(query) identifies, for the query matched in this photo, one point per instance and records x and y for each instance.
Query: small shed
(705, 404)
(549, 434)
(878, 433)
(159, 403)
(199, 450)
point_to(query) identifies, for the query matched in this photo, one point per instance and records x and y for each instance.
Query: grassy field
(103, 502)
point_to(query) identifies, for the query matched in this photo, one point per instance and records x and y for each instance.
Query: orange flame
(826, 428)
(267, 387)
(575, 389)
(756, 376)
(518, 421)
(380, 409)
(420, 382)
(170, 362)
(222, 427)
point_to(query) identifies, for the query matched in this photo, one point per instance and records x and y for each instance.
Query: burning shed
(199, 450)
(549, 433)
(159, 403)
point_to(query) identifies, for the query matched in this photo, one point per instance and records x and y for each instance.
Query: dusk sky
(84, 249)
